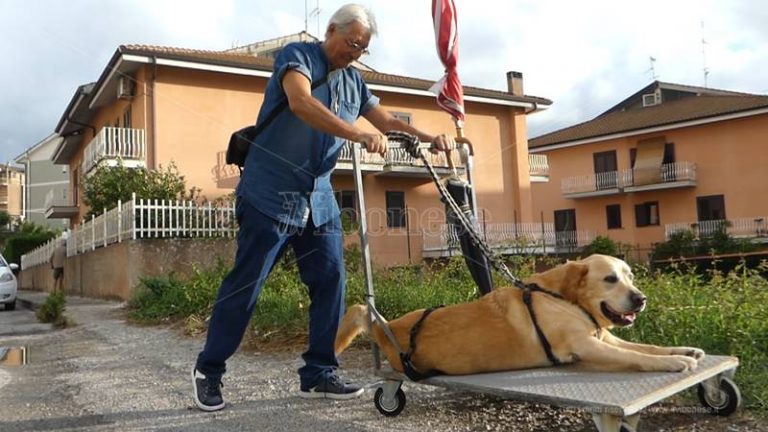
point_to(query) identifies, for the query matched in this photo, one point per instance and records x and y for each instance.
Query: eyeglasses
(357, 47)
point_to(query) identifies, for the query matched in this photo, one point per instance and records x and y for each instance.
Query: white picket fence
(524, 236)
(143, 219)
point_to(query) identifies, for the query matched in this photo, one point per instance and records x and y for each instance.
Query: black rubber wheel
(730, 398)
(390, 408)
(11, 305)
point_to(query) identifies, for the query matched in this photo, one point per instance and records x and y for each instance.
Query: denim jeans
(260, 242)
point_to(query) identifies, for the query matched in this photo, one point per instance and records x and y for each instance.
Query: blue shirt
(287, 174)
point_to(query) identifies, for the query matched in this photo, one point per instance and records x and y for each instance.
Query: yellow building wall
(188, 116)
(730, 157)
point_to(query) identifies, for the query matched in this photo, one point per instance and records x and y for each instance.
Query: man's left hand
(442, 142)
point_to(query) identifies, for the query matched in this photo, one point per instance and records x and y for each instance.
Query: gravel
(105, 374)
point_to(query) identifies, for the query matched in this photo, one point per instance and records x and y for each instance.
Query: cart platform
(614, 399)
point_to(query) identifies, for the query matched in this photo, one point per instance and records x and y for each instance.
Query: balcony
(668, 176)
(225, 176)
(112, 144)
(745, 228)
(673, 175)
(397, 163)
(590, 185)
(538, 168)
(58, 207)
(508, 238)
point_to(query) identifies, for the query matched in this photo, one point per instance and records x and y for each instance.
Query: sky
(585, 56)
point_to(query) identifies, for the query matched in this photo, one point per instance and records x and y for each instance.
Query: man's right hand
(374, 143)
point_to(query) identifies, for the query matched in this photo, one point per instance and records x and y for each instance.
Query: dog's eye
(611, 279)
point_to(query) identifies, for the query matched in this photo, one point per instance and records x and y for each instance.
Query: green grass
(722, 314)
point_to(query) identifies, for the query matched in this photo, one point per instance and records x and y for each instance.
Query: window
(613, 216)
(347, 204)
(606, 170)
(402, 116)
(565, 228)
(395, 209)
(711, 207)
(127, 117)
(647, 214)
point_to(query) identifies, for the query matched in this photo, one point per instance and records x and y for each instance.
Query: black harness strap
(408, 368)
(528, 300)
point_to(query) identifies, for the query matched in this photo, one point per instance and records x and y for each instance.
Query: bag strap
(279, 108)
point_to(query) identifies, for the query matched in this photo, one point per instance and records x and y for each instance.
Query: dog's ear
(573, 277)
(565, 278)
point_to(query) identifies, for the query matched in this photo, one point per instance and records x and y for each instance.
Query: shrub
(723, 314)
(107, 185)
(52, 310)
(601, 245)
(28, 237)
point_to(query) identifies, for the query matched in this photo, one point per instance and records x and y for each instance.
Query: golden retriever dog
(497, 332)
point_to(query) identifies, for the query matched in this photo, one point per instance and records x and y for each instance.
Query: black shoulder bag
(241, 140)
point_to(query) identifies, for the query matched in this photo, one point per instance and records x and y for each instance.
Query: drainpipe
(151, 147)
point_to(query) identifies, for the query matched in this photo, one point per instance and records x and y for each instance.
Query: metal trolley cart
(614, 399)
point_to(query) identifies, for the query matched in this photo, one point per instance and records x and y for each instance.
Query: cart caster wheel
(727, 401)
(392, 407)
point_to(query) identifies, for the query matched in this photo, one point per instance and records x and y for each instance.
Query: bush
(720, 313)
(601, 245)
(52, 310)
(107, 185)
(20, 243)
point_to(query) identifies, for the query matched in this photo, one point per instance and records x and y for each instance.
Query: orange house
(155, 105)
(667, 158)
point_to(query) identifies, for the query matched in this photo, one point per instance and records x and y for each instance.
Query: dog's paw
(681, 363)
(696, 353)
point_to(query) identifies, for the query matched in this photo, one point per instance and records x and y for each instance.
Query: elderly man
(285, 197)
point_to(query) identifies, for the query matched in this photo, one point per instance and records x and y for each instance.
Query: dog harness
(528, 300)
(405, 357)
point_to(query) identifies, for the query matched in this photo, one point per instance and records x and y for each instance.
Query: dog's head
(601, 284)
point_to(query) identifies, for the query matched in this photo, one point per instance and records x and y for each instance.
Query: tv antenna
(705, 69)
(314, 13)
(652, 69)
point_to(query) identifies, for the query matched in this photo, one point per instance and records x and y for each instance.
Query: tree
(107, 185)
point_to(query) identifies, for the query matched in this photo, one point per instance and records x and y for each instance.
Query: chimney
(515, 83)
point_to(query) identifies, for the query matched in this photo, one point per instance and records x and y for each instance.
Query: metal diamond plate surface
(602, 392)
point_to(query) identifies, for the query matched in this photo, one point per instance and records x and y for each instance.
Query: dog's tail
(355, 321)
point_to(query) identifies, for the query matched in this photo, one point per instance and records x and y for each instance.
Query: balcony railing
(538, 167)
(510, 237)
(590, 183)
(111, 144)
(678, 174)
(749, 227)
(669, 174)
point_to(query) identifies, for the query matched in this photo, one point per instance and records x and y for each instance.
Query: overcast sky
(585, 56)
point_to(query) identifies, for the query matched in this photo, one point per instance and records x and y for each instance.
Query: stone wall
(114, 271)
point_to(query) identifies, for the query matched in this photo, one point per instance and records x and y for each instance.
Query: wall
(95, 274)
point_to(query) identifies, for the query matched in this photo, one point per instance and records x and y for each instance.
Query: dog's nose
(638, 300)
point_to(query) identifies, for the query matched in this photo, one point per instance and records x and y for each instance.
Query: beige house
(155, 105)
(669, 157)
(11, 191)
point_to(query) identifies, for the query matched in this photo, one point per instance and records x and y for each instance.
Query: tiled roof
(666, 113)
(224, 58)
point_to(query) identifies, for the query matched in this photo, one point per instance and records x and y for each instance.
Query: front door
(565, 228)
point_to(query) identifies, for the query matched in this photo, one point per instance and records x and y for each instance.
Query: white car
(8, 284)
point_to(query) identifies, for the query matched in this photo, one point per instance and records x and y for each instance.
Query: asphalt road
(106, 375)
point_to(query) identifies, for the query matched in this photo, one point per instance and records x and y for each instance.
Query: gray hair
(350, 13)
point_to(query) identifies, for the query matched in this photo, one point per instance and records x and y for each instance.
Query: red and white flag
(450, 94)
